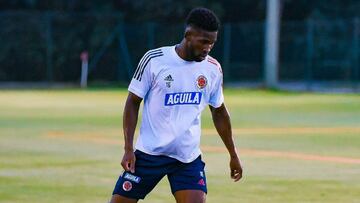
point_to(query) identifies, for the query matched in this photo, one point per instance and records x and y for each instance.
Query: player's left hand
(235, 168)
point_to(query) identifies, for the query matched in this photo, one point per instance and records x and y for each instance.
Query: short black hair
(203, 18)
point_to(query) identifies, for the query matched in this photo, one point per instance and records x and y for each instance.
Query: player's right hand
(128, 161)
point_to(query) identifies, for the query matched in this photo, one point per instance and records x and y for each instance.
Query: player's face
(200, 43)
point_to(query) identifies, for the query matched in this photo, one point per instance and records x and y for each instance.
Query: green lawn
(66, 145)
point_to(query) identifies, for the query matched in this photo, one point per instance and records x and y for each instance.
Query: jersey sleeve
(142, 79)
(216, 95)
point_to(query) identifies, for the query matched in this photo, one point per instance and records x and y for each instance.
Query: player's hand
(235, 168)
(128, 161)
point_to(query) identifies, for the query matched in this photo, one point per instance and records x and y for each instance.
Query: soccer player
(176, 84)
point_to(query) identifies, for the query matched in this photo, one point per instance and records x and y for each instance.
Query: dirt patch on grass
(288, 130)
(97, 138)
(285, 154)
(85, 137)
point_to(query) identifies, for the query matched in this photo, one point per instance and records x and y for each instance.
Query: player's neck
(181, 51)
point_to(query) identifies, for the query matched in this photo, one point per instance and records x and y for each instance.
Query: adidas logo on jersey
(169, 78)
(182, 98)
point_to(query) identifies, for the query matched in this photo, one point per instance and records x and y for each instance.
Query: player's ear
(188, 32)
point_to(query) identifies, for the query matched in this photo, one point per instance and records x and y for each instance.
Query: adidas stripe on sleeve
(142, 79)
(216, 95)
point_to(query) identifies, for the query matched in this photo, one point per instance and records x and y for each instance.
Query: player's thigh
(121, 199)
(190, 196)
(188, 176)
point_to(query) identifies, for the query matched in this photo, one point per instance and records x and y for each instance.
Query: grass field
(66, 145)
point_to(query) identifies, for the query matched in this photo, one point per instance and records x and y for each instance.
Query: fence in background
(40, 47)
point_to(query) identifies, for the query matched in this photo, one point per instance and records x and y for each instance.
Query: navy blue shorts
(150, 169)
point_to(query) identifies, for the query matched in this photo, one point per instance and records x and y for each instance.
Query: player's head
(202, 26)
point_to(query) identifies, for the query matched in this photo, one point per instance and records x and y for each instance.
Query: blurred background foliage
(176, 10)
(41, 40)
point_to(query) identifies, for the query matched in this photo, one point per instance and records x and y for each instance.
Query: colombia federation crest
(201, 82)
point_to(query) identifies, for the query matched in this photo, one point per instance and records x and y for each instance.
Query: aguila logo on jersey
(182, 98)
(201, 82)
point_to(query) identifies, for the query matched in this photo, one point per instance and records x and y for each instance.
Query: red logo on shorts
(201, 182)
(127, 186)
(201, 81)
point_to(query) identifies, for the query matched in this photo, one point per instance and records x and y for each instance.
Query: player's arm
(222, 124)
(130, 118)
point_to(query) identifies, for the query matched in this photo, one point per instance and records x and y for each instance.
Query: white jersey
(175, 92)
